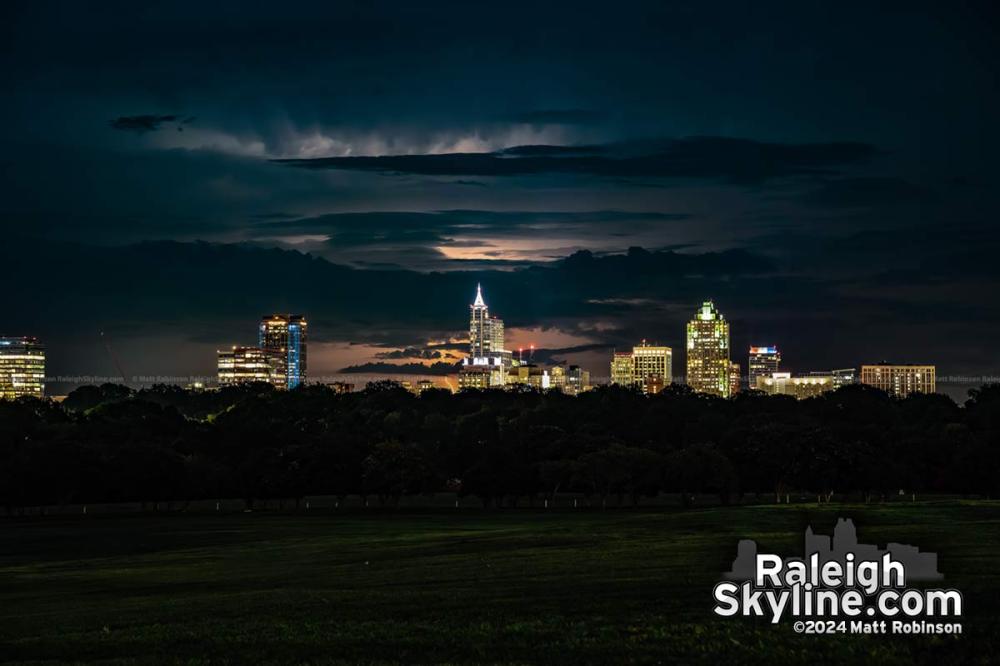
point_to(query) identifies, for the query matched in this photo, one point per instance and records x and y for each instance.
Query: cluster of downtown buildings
(280, 358)
(649, 368)
(711, 369)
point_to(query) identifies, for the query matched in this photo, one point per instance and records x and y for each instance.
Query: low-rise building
(783, 383)
(841, 376)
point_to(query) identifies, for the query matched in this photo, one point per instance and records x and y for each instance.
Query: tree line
(610, 445)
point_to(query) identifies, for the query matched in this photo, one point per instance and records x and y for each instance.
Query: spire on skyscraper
(480, 303)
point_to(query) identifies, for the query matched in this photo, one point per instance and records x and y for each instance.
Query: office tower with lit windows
(652, 367)
(485, 332)
(577, 380)
(243, 365)
(764, 362)
(487, 356)
(284, 337)
(708, 367)
(647, 367)
(735, 378)
(900, 380)
(621, 368)
(22, 367)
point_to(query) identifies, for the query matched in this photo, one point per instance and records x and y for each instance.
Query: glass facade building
(284, 336)
(22, 367)
(708, 366)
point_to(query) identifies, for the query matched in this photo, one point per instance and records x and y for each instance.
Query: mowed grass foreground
(461, 587)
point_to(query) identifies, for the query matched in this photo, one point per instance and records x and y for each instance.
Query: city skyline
(826, 175)
(280, 358)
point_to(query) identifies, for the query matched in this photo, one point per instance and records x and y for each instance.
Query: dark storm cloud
(858, 192)
(416, 239)
(189, 286)
(738, 160)
(148, 123)
(432, 225)
(560, 117)
(553, 356)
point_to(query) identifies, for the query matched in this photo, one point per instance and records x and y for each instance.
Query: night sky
(826, 172)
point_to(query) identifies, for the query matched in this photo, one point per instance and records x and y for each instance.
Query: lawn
(454, 587)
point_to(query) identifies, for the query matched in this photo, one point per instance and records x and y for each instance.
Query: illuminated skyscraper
(764, 362)
(242, 365)
(708, 366)
(284, 337)
(487, 356)
(485, 332)
(900, 380)
(22, 367)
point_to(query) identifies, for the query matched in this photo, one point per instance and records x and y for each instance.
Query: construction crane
(107, 346)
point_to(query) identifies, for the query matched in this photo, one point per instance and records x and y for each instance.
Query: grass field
(468, 586)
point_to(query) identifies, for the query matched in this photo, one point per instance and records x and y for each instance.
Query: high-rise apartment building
(900, 380)
(764, 362)
(708, 368)
(22, 367)
(284, 337)
(242, 365)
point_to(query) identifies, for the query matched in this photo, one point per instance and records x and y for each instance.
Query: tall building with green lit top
(708, 365)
